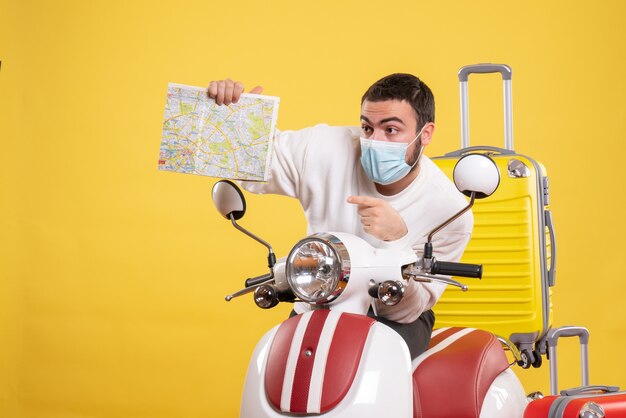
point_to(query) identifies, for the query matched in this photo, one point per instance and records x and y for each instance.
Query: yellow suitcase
(513, 238)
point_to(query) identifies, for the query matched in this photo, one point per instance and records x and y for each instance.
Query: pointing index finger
(363, 200)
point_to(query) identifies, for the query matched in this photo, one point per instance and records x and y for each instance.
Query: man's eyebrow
(391, 119)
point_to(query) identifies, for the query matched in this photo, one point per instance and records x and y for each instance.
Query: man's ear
(427, 133)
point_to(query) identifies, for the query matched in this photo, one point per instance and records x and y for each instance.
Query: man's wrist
(398, 234)
(396, 237)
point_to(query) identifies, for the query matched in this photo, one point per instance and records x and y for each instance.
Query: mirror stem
(271, 257)
(454, 218)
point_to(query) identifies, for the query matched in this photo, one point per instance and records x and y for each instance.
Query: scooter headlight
(318, 268)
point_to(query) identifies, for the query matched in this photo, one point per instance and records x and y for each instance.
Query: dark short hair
(406, 87)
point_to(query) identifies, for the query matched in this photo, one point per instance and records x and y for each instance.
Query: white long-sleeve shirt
(320, 167)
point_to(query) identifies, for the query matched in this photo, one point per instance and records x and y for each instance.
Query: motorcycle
(334, 361)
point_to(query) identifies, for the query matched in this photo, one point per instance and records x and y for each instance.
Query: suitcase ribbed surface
(513, 296)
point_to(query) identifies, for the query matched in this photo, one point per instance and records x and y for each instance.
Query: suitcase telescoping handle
(552, 339)
(479, 148)
(506, 72)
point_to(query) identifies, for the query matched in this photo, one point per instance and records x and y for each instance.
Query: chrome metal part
(454, 218)
(517, 169)
(421, 266)
(428, 278)
(390, 292)
(250, 234)
(339, 250)
(265, 296)
(511, 347)
(591, 410)
(427, 264)
(242, 292)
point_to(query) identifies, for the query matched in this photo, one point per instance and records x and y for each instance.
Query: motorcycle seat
(451, 378)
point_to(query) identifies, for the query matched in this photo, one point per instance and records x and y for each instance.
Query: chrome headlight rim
(339, 250)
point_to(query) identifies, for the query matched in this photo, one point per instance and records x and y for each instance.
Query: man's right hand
(228, 91)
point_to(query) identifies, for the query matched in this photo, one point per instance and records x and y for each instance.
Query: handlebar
(457, 269)
(253, 281)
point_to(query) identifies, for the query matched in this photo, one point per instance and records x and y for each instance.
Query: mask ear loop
(418, 156)
(421, 147)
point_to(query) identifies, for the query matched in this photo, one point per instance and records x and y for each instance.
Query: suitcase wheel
(530, 358)
(525, 360)
(538, 360)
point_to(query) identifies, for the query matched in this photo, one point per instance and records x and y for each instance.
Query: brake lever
(245, 291)
(429, 278)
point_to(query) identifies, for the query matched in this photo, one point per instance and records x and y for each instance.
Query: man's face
(393, 121)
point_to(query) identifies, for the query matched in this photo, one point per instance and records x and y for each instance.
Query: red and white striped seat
(451, 378)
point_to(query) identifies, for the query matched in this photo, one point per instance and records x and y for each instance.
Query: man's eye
(391, 130)
(366, 128)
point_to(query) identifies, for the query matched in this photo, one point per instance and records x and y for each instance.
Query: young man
(373, 182)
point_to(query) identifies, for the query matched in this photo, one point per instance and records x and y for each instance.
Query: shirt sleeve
(402, 242)
(289, 151)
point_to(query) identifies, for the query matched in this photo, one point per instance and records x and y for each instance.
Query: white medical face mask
(384, 162)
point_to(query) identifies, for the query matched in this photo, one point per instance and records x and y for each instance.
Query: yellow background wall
(112, 274)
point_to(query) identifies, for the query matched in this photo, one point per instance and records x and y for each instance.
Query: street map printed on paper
(200, 137)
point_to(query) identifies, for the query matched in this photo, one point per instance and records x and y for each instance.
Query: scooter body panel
(505, 397)
(381, 386)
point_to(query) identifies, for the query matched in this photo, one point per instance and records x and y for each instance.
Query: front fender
(381, 385)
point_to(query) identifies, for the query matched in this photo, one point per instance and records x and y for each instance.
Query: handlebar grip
(253, 281)
(457, 269)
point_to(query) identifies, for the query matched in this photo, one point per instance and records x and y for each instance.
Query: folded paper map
(200, 137)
